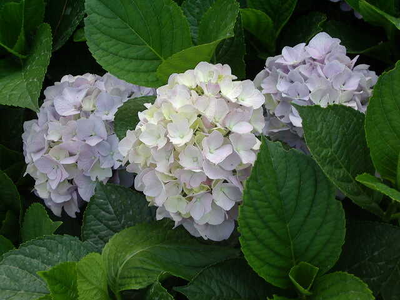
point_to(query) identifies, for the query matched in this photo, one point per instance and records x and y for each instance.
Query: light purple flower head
(319, 73)
(194, 147)
(72, 144)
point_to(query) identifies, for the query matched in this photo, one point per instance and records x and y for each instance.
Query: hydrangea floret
(319, 73)
(194, 147)
(72, 143)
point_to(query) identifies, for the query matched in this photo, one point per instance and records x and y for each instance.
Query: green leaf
(289, 214)
(377, 17)
(231, 51)
(278, 10)
(18, 269)
(336, 139)
(232, 279)
(302, 29)
(21, 84)
(92, 278)
(157, 291)
(135, 257)
(20, 19)
(127, 116)
(340, 286)
(64, 16)
(382, 124)
(5, 245)
(9, 196)
(131, 38)
(377, 185)
(303, 275)
(372, 252)
(194, 11)
(219, 21)
(62, 281)
(260, 25)
(37, 223)
(79, 35)
(186, 59)
(112, 209)
(354, 43)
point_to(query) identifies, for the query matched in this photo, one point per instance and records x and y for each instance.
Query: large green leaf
(302, 29)
(232, 279)
(186, 59)
(37, 223)
(92, 278)
(131, 38)
(278, 10)
(289, 214)
(260, 25)
(21, 83)
(112, 209)
(382, 124)
(64, 16)
(18, 269)
(372, 252)
(62, 281)
(231, 51)
(127, 116)
(219, 21)
(194, 11)
(135, 257)
(340, 286)
(336, 139)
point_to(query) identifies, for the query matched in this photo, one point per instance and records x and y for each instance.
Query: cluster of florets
(319, 73)
(72, 144)
(194, 147)
(345, 7)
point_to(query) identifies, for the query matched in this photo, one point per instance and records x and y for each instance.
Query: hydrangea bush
(317, 73)
(195, 146)
(171, 173)
(72, 144)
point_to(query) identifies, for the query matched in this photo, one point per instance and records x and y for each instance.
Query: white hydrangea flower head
(194, 147)
(72, 143)
(319, 73)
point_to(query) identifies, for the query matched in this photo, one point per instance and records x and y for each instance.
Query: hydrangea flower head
(72, 143)
(319, 73)
(194, 146)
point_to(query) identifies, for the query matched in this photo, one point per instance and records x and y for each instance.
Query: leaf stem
(390, 211)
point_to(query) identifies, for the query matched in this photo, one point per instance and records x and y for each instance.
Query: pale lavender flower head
(194, 147)
(319, 73)
(72, 144)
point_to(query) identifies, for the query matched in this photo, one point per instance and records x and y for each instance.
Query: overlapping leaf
(289, 214)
